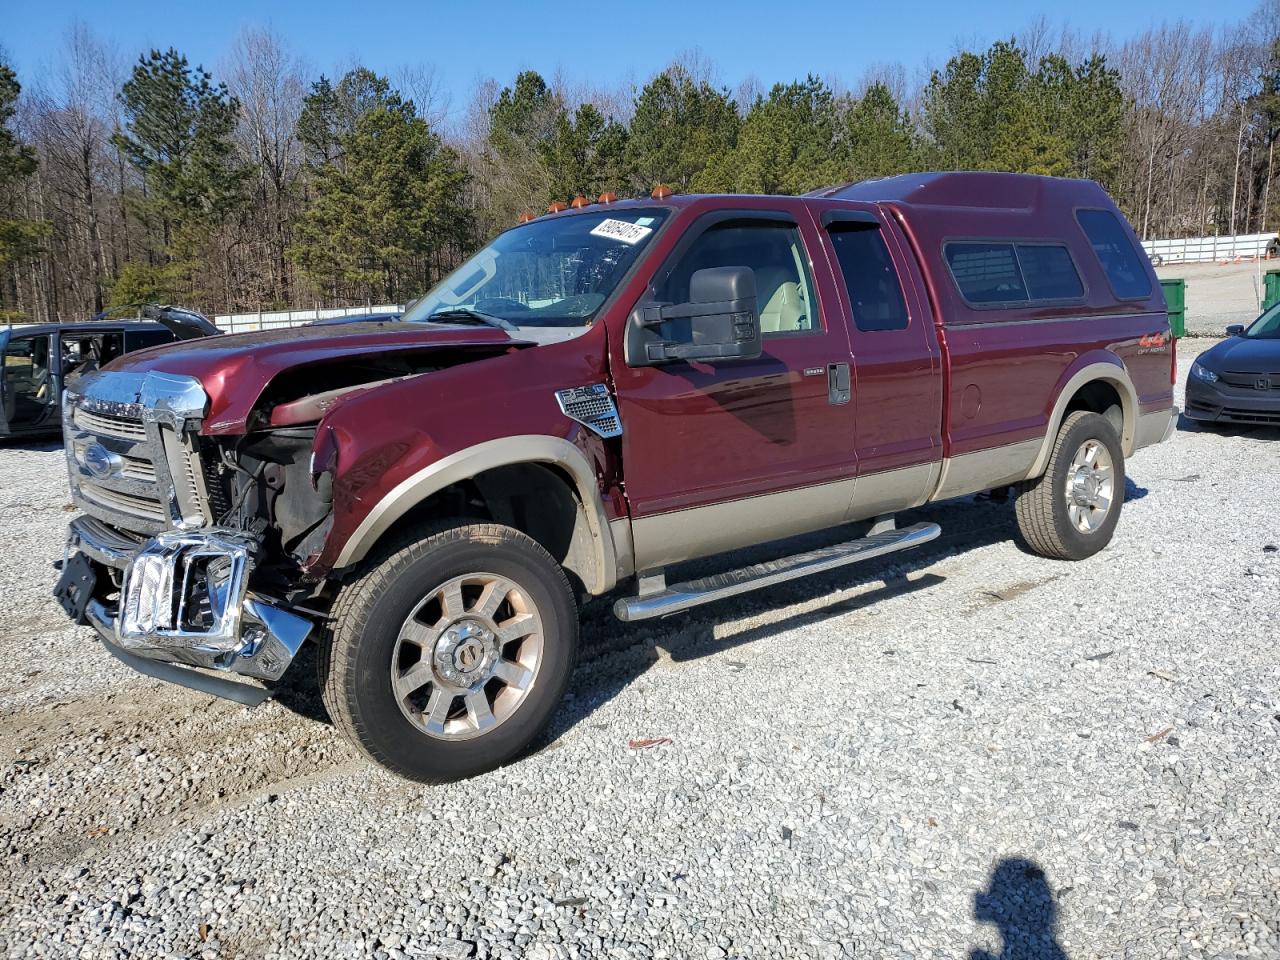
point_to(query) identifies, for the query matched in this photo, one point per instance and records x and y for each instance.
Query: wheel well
(535, 498)
(1101, 397)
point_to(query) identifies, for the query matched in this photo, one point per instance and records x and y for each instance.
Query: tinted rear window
(987, 272)
(869, 275)
(1008, 274)
(1123, 266)
(1049, 272)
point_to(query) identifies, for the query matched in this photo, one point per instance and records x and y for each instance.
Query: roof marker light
(608, 197)
(580, 201)
(524, 217)
(661, 192)
(557, 206)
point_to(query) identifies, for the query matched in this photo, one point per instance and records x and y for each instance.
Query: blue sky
(593, 43)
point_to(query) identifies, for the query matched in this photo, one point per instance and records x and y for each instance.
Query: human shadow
(1021, 904)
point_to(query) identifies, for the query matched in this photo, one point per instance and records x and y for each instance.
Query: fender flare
(1112, 373)
(471, 461)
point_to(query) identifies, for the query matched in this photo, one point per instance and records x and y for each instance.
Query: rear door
(721, 455)
(897, 389)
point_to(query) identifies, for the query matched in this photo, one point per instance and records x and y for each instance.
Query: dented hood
(234, 369)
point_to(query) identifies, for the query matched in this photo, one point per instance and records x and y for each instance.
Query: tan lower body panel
(984, 469)
(667, 538)
(703, 531)
(1152, 428)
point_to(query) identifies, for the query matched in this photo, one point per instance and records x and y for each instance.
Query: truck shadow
(615, 654)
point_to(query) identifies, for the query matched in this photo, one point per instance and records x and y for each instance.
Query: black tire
(355, 660)
(1041, 505)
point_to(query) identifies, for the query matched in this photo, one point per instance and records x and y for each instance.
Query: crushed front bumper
(182, 608)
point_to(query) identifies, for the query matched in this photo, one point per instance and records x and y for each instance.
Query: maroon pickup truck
(598, 395)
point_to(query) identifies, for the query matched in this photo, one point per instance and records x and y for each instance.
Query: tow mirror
(1235, 330)
(720, 322)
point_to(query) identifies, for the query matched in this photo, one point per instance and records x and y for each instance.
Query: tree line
(265, 188)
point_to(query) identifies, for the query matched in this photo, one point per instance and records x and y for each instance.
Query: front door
(720, 455)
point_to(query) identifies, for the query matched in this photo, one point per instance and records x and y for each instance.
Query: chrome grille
(109, 426)
(131, 455)
(136, 468)
(144, 507)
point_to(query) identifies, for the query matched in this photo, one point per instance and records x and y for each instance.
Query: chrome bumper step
(693, 593)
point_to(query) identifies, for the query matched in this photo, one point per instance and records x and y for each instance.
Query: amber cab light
(608, 197)
(661, 192)
(525, 217)
(580, 201)
(557, 207)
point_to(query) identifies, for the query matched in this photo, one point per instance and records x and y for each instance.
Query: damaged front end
(173, 562)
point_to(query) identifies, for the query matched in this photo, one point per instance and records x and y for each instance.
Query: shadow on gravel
(615, 654)
(1240, 430)
(299, 690)
(41, 444)
(1019, 901)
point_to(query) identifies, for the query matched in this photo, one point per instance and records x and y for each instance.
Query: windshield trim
(673, 213)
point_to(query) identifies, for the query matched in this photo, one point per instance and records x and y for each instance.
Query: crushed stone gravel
(965, 748)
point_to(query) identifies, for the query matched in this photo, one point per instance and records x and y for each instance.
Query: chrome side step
(682, 596)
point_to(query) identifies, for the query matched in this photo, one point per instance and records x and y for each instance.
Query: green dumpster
(1175, 298)
(1271, 289)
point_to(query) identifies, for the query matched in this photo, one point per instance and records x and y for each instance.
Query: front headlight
(1201, 372)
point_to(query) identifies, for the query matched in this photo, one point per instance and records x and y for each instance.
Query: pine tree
(881, 139)
(177, 134)
(680, 125)
(381, 218)
(20, 237)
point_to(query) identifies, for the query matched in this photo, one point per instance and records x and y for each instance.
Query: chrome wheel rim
(1090, 486)
(467, 656)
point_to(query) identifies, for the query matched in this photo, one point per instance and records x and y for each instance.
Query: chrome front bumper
(185, 603)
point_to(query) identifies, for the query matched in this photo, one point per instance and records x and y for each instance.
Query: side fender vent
(592, 407)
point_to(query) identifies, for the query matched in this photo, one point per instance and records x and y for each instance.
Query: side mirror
(720, 322)
(1235, 330)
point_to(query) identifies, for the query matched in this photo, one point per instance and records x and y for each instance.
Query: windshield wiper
(464, 314)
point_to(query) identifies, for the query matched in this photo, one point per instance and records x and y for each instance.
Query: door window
(774, 252)
(100, 348)
(875, 293)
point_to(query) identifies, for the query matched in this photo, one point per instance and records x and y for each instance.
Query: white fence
(1251, 246)
(274, 320)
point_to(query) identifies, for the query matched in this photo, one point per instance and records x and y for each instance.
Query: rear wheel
(1070, 512)
(450, 653)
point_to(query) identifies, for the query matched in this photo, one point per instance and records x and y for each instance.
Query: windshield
(1267, 326)
(546, 273)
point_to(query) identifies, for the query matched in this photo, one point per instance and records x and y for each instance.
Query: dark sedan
(1238, 380)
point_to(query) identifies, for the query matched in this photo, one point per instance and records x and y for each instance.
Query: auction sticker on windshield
(622, 230)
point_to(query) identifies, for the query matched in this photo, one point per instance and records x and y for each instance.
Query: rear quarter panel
(1008, 366)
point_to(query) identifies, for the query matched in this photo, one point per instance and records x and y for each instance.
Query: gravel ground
(966, 749)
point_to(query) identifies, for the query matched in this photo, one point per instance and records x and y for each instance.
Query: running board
(682, 596)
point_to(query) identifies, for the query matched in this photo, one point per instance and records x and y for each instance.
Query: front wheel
(1071, 511)
(449, 654)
